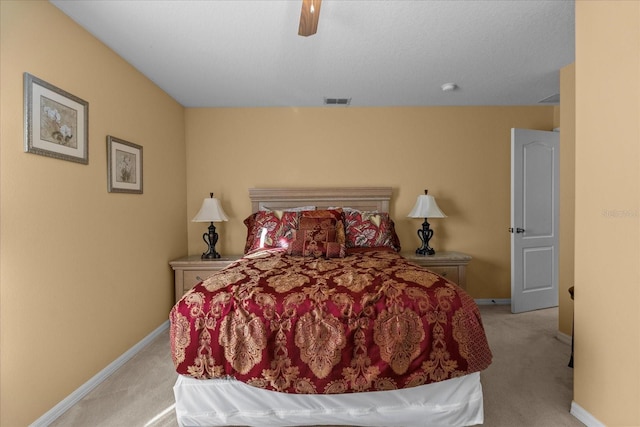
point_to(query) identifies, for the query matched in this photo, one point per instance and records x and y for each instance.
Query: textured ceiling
(378, 53)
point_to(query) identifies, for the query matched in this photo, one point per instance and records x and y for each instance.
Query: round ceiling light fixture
(448, 87)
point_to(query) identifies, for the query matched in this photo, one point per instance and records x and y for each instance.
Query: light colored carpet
(528, 384)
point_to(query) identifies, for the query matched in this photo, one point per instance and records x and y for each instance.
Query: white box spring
(227, 402)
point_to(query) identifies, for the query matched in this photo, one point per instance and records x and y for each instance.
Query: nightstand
(192, 270)
(450, 265)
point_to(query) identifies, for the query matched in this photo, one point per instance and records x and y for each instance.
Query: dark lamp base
(425, 234)
(208, 255)
(211, 238)
(425, 251)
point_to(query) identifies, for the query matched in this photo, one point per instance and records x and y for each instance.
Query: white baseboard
(563, 338)
(493, 301)
(584, 417)
(62, 407)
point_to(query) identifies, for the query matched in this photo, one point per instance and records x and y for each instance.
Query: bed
(322, 322)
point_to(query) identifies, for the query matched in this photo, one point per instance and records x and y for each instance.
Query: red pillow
(336, 214)
(316, 237)
(270, 229)
(370, 229)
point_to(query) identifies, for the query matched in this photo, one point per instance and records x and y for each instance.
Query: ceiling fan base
(309, 16)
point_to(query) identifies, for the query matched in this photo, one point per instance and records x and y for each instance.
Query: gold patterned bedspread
(369, 321)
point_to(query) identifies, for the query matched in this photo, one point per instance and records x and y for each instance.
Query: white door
(535, 172)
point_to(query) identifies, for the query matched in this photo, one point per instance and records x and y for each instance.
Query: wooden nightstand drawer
(450, 273)
(450, 265)
(191, 270)
(190, 278)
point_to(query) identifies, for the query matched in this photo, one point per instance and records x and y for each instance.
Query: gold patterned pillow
(336, 214)
(316, 237)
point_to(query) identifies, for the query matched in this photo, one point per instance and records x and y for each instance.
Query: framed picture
(124, 166)
(56, 122)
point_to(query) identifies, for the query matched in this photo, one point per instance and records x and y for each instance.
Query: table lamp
(426, 207)
(211, 211)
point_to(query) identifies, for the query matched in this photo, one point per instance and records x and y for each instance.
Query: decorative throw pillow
(270, 229)
(336, 214)
(316, 237)
(370, 229)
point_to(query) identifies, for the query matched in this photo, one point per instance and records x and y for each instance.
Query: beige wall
(607, 244)
(461, 154)
(567, 196)
(83, 273)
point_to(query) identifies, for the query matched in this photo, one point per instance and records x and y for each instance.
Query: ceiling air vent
(337, 101)
(553, 99)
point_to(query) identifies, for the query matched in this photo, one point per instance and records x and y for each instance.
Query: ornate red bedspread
(369, 321)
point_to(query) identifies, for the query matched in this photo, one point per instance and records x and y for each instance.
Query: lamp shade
(211, 211)
(426, 207)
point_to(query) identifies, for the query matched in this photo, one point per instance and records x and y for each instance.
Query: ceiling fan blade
(309, 17)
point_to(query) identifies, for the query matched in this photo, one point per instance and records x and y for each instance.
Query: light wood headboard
(361, 198)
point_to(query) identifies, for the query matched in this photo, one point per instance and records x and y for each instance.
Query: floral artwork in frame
(56, 122)
(124, 166)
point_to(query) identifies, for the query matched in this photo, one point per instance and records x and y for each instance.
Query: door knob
(518, 230)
